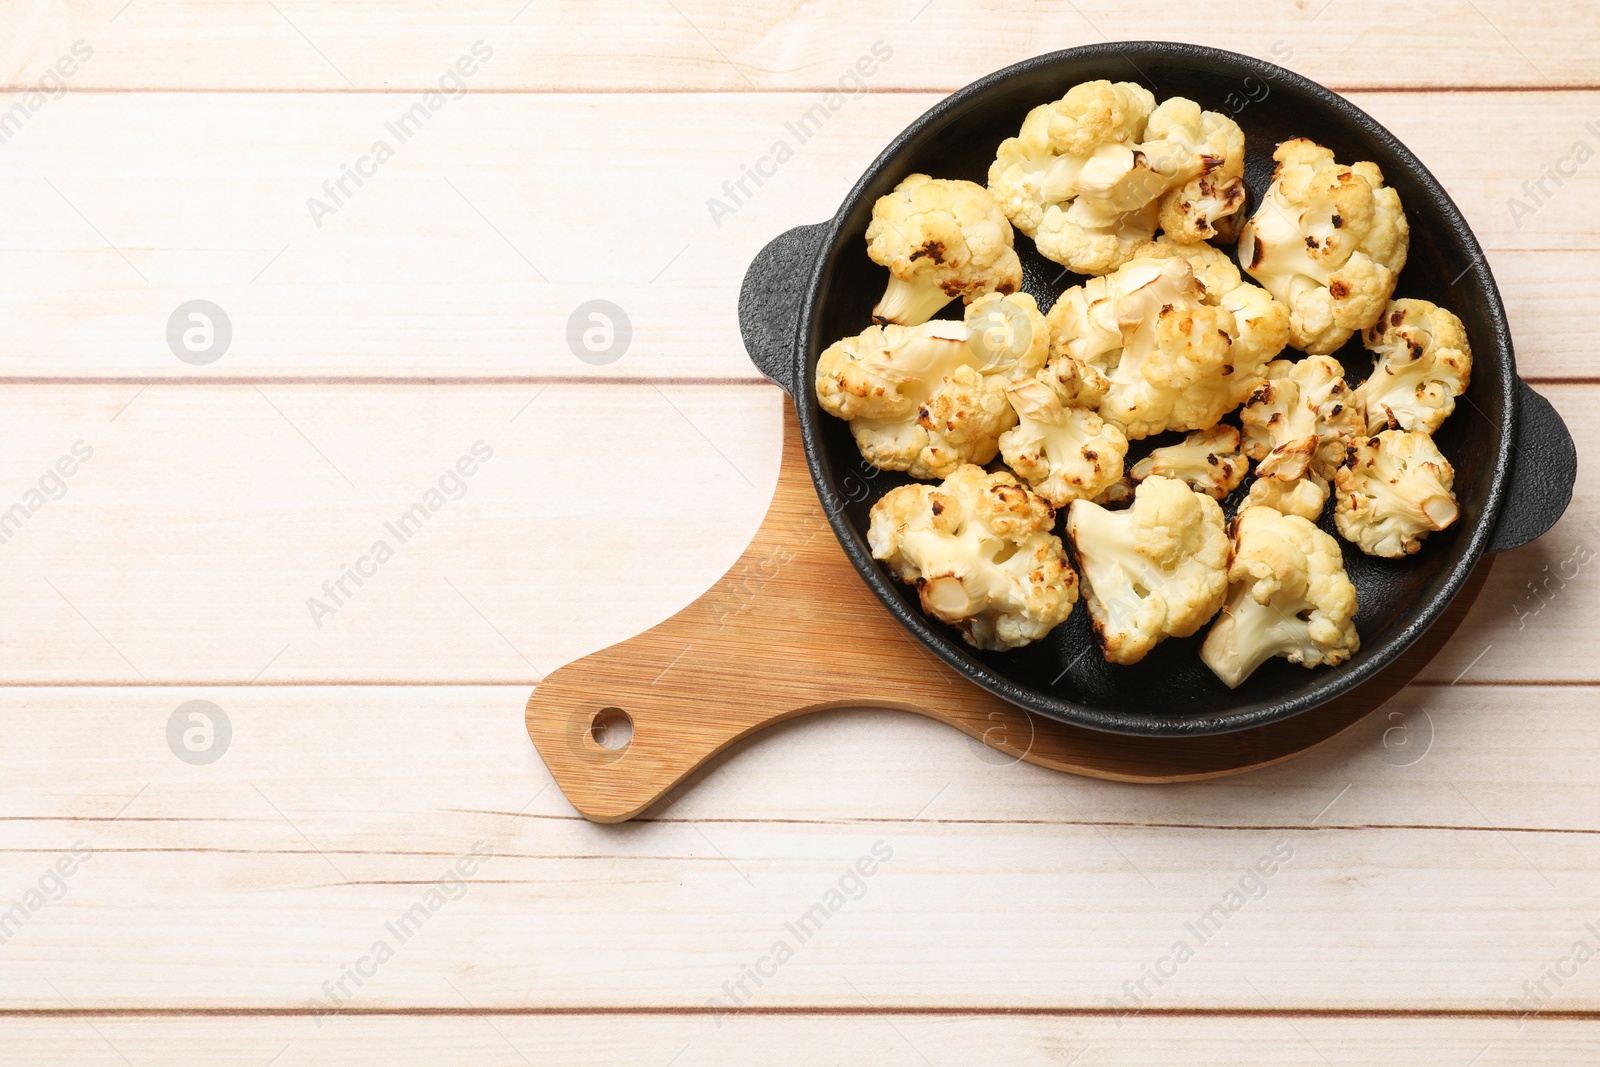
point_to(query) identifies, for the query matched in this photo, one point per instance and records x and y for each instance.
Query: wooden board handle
(792, 629)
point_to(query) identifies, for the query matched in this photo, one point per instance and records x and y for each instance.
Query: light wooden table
(1435, 869)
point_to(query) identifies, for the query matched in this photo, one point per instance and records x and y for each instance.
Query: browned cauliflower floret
(1091, 175)
(980, 550)
(1262, 322)
(1424, 363)
(1204, 153)
(1208, 461)
(1155, 570)
(1082, 142)
(926, 399)
(1289, 597)
(1152, 348)
(1395, 490)
(1064, 453)
(1305, 497)
(940, 238)
(1328, 241)
(1302, 418)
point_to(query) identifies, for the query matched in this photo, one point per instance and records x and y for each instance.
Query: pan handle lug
(1544, 471)
(771, 299)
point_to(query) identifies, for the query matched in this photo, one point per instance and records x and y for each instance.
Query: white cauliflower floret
(1424, 363)
(1301, 418)
(1262, 322)
(1063, 453)
(1305, 497)
(1289, 597)
(1072, 180)
(1155, 570)
(1395, 490)
(926, 399)
(1208, 461)
(1150, 349)
(940, 238)
(1328, 241)
(980, 550)
(1090, 176)
(1204, 153)
(1009, 334)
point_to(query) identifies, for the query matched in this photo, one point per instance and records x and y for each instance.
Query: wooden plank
(454, 767)
(189, 548)
(193, 542)
(701, 45)
(911, 1040)
(472, 248)
(248, 882)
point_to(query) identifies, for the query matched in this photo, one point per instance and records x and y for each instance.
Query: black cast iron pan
(1514, 460)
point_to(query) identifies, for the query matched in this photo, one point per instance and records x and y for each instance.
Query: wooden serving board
(791, 629)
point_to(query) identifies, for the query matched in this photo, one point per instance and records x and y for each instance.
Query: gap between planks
(470, 381)
(455, 683)
(865, 820)
(668, 90)
(866, 1011)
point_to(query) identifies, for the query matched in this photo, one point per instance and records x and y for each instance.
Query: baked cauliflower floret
(1208, 461)
(1301, 418)
(1262, 322)
(1203, 153)
(1063, 453)
(1072, 180)
(980, 550)
(1148, 350)
(1305, 497)
(940, 238)
(925, 399)
(1289, 596)
(1394, 491)
(1155, 570)
(1009, 335)
(1090, 176)
(1328, 241)
(1423, 364)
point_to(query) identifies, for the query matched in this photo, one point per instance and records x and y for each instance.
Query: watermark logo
(52, 85)
(199, 332)
(338, 991)
(199, 732)
(1000, 335)
(52, 486)
(48, 888)
(738, 993)
(1251, 886)
(737, 192)
(452, 485)
(1004, 736)
(598, 332)
(1553, 175)
(1540, 991)
(1407, 738)
(338, 191)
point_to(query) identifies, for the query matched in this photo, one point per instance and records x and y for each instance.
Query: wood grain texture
(791, 629)
(468, 251)
(233, 503)
(701, 45)
(1444, 848)
(249, 882)
(910, 1040)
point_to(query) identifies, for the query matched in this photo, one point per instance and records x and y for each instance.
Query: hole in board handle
(612, 729)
